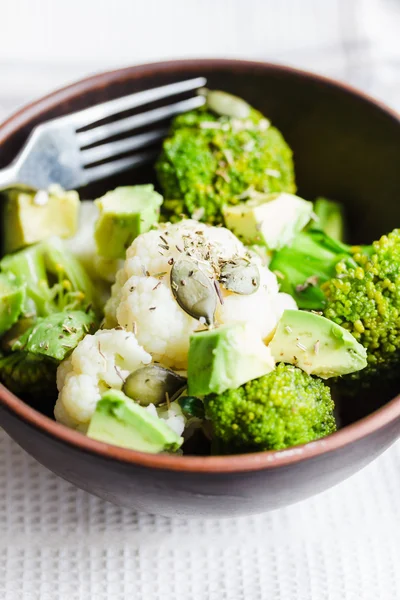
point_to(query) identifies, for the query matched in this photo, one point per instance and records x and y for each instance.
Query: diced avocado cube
(31, 217)
(120, 421)
(125, 213)
(225, 358)
(316, 345)
(330, 217)
(271, 220)
(12, 299)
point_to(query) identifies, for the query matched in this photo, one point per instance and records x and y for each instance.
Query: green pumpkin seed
(153, 385)
(193, 290)
(226, 105)
(191, 406)
(240, 276)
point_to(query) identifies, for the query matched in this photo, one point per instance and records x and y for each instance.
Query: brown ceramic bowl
(347, 147)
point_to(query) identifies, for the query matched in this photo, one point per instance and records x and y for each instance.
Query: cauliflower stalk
(142, 300)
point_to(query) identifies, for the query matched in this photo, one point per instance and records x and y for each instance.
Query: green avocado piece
(30, 217)
(316, 345)
(330, 217)
(12, 300)
(272, 220)
(120, 421)
(125, 213)
(57, 335)
(225, 358)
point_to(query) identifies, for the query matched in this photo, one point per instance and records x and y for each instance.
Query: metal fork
(58, 151)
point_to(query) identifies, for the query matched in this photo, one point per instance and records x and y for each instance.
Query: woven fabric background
(59, 543)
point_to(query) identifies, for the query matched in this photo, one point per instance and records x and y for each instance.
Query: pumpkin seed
(193, 290)
(240, 276)
(226, 105)
(152, 385)
(191, 406)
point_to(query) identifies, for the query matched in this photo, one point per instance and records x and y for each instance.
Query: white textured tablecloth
(59, 543)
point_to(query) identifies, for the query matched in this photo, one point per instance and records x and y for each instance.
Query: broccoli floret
(54, 279)
(282, 409)
(209, 160)
(364, 297)
(310, 261)
(33, 377)
(357, 287)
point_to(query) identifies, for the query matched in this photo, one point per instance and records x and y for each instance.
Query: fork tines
(94, 142)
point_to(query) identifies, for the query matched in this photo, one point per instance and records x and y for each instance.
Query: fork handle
(8, 177)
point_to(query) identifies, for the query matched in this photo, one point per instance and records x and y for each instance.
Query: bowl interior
(345, 146)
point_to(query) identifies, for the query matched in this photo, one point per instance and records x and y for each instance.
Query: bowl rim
(203, 464)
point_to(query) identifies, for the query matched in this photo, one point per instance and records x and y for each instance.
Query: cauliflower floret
(172, 415)
(142, 300)
(260, 309)
(161, 326)
(99, 362)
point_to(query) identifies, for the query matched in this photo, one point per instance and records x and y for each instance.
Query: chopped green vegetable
(282, 409)
(272, 220)
(28, 375)
(330, 217)
(120, 421)
(316, 345)
(12, 298)
(209, 161)
(224, 358)
(31, 217)
(54, 279)
(364, 297)
(56, 335)
(125, 213)
(308, 262)
(13, 334)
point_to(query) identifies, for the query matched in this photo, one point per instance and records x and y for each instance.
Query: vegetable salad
(220, 313)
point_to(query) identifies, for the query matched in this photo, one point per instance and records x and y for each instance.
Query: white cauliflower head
(142, 300)
(99, 362)
(172, 415)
